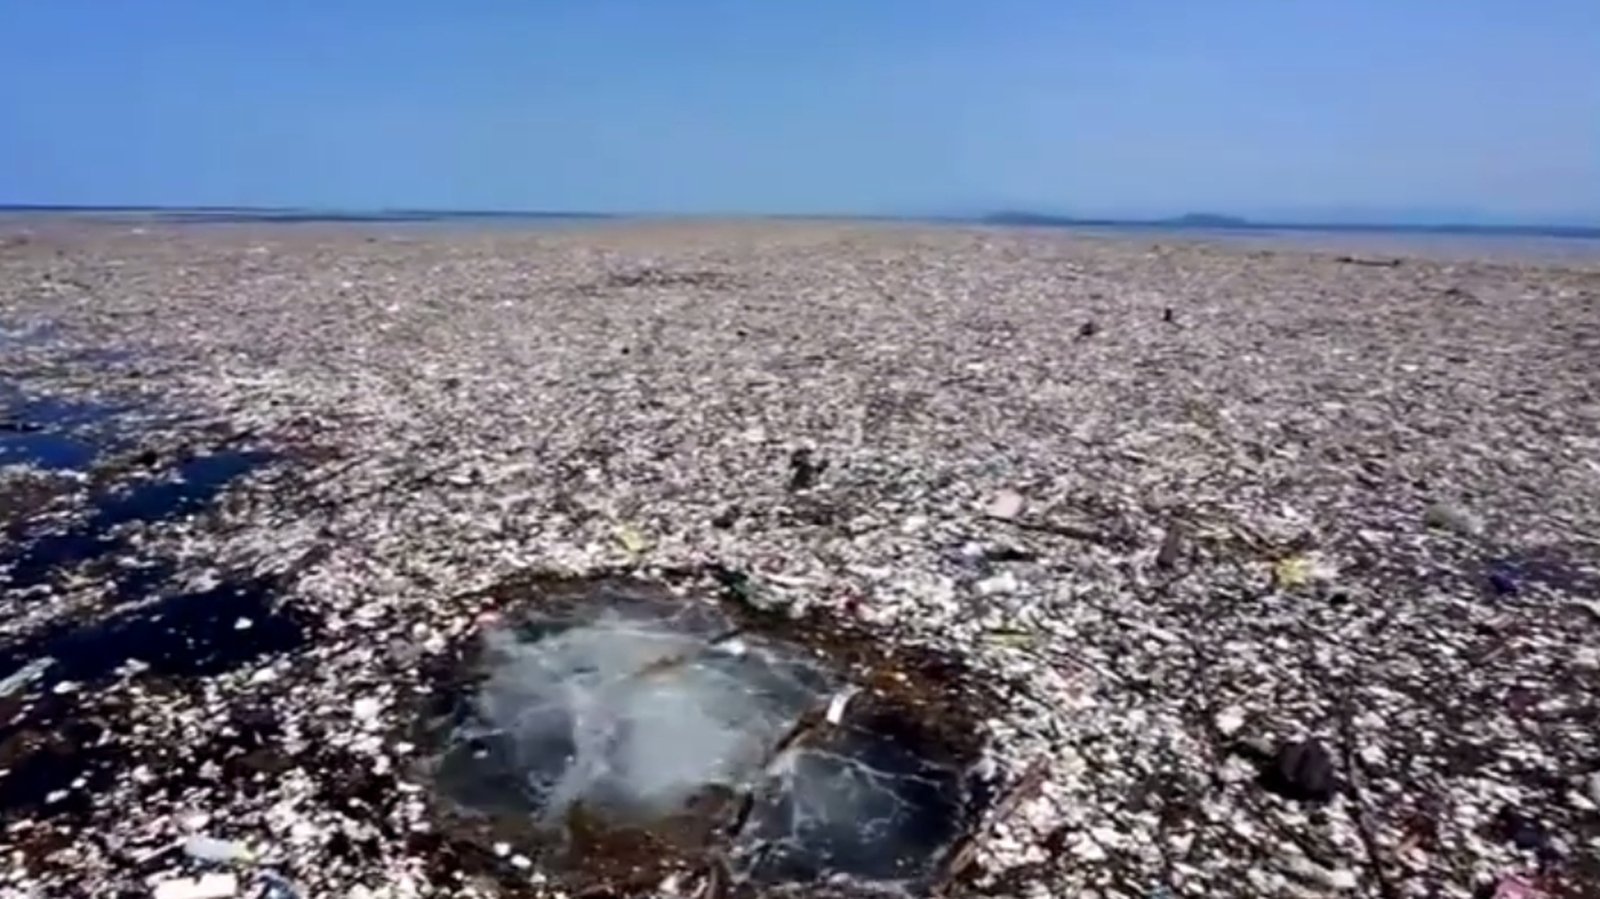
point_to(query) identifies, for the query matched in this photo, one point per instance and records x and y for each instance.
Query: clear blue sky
(1461, 108)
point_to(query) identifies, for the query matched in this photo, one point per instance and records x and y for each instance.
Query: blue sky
(1467, 109)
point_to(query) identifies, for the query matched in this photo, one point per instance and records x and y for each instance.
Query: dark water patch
(186, 635)
(52, 433)
(195, 484)
(861, 800)
(54, 452)
(46, 411)
(617, 731)
(55, 771)
(55, 756)
(198, 482)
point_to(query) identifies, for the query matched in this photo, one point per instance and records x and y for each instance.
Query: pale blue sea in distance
(1579, 245)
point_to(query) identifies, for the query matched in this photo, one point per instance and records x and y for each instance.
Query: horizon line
(1016, 217)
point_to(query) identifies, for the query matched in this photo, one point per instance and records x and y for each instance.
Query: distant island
(1216, 221)
(1208, 220)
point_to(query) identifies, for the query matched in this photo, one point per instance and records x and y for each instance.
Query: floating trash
(190, 489)
(599, 721)
(189, 634)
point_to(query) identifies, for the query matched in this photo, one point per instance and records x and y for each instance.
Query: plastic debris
(206, 886)
(1001, 584)
(837, 704)
(1291, 571)
(1447, 517)
(367, 709)
(1006, 505)
(277, 886)
(1014, 639)
(1230, 720)
(1510, 886)
(25, 675)
(631, 540)
(211, 849)
(1299, 570)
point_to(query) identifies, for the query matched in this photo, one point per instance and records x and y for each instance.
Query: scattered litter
(1016, 639)
(25, 675)
(1512, 886)
(1294, 571)
(1303, 408)
(837, 704)
(210, 849)
(632, 541)
(999, 585)
(367, 709)
(1006, 505)
(1229, 720)
(1453, 518)
(206, 886)
(277, 886)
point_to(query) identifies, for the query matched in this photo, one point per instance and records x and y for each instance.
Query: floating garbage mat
(619, 733)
